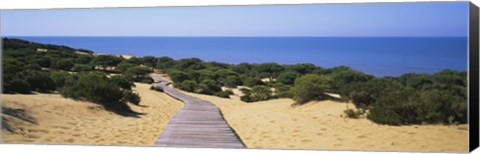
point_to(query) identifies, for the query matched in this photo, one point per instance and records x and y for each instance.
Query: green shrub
(17, 85)
(63, 64)
(129, 96)
(156, 88)
(228, 91)
(177, 76)
(223, 94)
(247, 98)
(83, 59)
(362, 94)
(138, 73)
(122, 81)
(441, 104)
(288, 78)
(189, 64)
(346, 77)
(351, 113)
(232, 81)
(208, 87)
(105, 61)
(61, 78)
(147, 80)
(416, 81)
(164, 62)
(395, 108)
(187, 85)
(149, 61)
(43, 61)
(283, 91)
(39, 81)
(257, 93)
(82, 67)
(361, 99)
(269, 70)
(124, 66)
(251, 82)
(309, 87)
(301, 69)
(94, 87)
(245, 91)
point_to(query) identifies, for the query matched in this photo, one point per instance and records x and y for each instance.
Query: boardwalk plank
(198, 124)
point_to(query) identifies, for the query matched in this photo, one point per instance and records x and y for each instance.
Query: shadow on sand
(20, 114)
(122, 109)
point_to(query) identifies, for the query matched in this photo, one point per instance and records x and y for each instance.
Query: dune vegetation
(438, 98)
(408, 99)
(74, 73)
(271, 94)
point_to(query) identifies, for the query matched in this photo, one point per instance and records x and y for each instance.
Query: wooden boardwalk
(199, 124)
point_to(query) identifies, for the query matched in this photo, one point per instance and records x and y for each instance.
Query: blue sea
(380, 56)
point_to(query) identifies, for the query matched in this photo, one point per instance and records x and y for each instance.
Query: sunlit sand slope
(320, 125)
(65, 121)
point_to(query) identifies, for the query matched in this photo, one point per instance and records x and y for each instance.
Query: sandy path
(65, 121)
(319, 125)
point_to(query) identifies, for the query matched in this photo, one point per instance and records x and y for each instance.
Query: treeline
(29, 67)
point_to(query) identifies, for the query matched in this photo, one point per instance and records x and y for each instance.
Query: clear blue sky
(368, 19)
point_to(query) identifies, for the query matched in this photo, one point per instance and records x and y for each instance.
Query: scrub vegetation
(79, 74)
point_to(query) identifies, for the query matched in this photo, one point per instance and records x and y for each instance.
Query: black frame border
(473, 76)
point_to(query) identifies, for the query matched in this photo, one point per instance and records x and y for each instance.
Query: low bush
(122, 81)
(351, 113)
(223, 94)
(39, 81)
(228, 91)
(147, 80)
(187, 85)
(208, 87)
(288, 77)
(129, 96)
(94, 87)
(138, 73)
(63, 64)
(396, 109)
(251, 82)
(245, 91)
(17, 85)
(309, 87)
(61, 78)
(82, 68)
(257, 93)
(283, 91)
(232, 81)
(156, 88)
(246, 98)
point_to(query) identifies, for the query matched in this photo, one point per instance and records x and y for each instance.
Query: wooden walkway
(199, 124)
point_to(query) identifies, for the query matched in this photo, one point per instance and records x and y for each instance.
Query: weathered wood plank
(198, 124)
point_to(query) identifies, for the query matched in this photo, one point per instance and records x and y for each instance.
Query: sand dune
(320, 125)
(267, 124)
(65, 121)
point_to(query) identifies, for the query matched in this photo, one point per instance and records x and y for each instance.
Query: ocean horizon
(380, 56)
